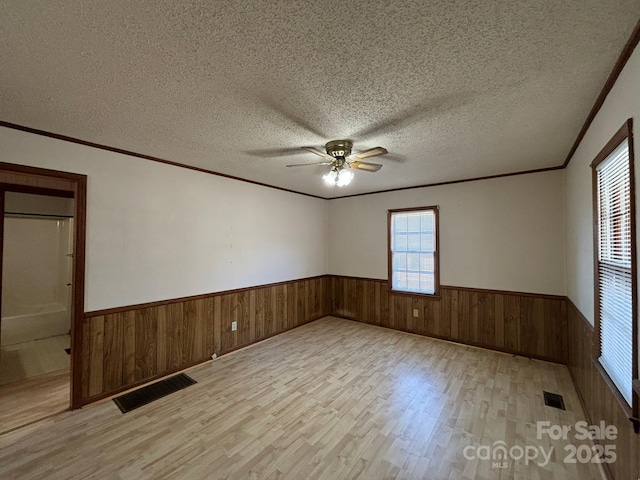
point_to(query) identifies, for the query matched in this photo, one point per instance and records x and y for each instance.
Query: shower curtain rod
(36, 215)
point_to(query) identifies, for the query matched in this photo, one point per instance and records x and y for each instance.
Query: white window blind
(413, 251)
(614, 268)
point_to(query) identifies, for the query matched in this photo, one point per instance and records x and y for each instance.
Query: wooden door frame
(41, 181)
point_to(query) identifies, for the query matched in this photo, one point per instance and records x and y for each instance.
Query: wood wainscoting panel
(113, 352)
(598, 401)
(146, 343)
(128, 346)
(521, 323)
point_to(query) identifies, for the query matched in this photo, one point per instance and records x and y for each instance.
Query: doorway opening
(35, 329)
(42, 238)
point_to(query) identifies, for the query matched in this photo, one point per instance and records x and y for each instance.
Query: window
(615, 269)
(413, 250)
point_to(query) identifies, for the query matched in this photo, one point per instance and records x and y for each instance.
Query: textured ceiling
(453, 89)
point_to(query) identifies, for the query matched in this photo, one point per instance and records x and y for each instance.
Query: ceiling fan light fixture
(341, 159)
(330, 178)
(344, 177)
(338, 176)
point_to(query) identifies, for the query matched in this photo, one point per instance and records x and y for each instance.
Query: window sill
(433, 296)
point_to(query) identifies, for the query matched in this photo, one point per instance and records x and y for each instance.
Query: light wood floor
(334, 399)
(32, 399)
(34, 358)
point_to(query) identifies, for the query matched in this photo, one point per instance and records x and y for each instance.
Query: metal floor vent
(137, 398)
(553, 400)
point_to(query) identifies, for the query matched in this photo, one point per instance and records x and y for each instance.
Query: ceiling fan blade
(366, 166)
(319, 152)
(309, 164)
(372, 152)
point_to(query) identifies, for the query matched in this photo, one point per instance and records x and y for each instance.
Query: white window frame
(435, 271)
(616, 322)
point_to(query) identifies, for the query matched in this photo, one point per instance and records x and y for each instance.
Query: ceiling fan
(341, 159)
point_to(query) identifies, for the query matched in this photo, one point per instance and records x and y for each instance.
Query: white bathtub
(49, 321)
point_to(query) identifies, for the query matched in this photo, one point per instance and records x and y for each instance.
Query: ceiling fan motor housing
(339, 148)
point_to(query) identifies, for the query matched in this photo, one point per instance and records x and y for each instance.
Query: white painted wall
(623, 102)
(505, 233)
(157, 232)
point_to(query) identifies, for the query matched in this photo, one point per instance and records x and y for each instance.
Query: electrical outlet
(234, 326)
(415, 312)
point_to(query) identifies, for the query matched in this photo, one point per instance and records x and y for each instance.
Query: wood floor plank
(33, 399)
(332, 399)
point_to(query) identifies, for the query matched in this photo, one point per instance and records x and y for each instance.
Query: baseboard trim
(141, 383)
